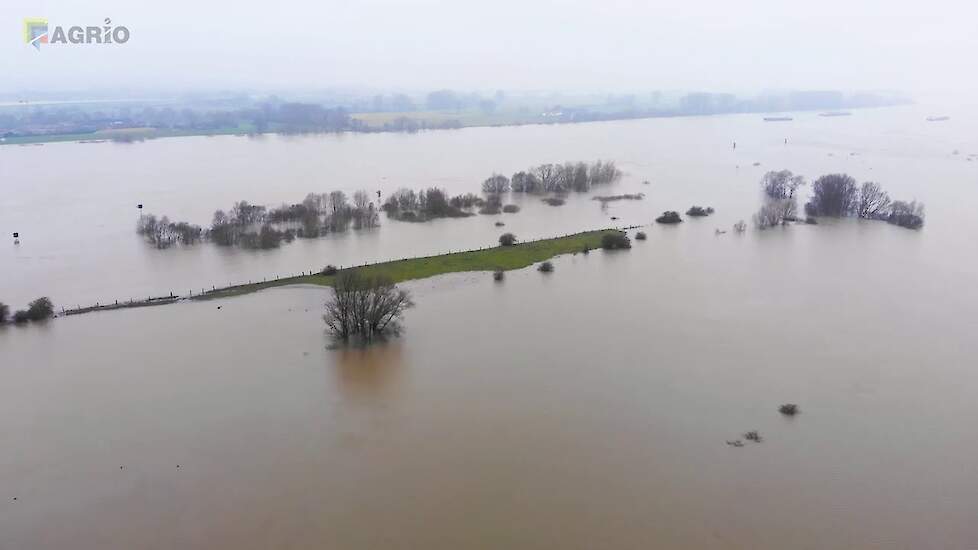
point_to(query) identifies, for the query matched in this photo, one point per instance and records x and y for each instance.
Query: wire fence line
(216, 290)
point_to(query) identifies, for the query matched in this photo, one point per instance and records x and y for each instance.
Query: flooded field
(586, 408)
(74, 205)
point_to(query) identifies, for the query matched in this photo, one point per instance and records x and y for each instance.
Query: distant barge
(938, 118)
(836, 113)
(777, 118)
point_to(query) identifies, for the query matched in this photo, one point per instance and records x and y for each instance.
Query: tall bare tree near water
(364, 307)
(874, 202)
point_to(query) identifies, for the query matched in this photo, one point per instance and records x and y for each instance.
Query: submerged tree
(495, 183)
(833, 195)
(874, 202)
(364, 306)
(907, 214)
(4, 312)
(781, 184)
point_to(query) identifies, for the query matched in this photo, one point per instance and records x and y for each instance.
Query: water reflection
(369, 373)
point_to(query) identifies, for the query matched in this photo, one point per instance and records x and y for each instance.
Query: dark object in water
(669, 216)
(753, 436)
(640, 236)
(735, 443)
(836, 113)
(498, 275)
(777, 119)
(938, 118)
(699, 211)
(788, 409)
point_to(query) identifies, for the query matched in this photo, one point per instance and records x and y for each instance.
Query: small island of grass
(500, 258)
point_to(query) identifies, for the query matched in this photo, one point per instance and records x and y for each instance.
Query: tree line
(256, 226)
(555, 178)
(37, 310)
(833, 195)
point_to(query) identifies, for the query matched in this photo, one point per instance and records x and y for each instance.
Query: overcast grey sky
(607, 45)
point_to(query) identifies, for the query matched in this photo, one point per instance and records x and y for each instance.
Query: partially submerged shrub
(507, 239)
(40, 309)
(500, 224)
(21, 316)
(329, 270)
(4, 312)
(740, 226)
(546, 267)
(788, 409)
(615, 241)
(669, 216)
(511, 208)
(498, 275)
(699, 211)
(753, 436)
(811, 220)
(554, 201)
(907, 214)
(640, 236)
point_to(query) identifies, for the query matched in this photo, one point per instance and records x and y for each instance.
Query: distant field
(465, 118)
(125, 134)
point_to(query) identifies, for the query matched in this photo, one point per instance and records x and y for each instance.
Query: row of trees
(555, 178)
(163, 233)
(839, 195)
(833, 195)
(256, 226)
(38, 310)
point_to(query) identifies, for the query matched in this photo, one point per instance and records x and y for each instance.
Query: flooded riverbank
(74, 206)
(584, 408)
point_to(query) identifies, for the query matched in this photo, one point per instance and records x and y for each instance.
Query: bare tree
(772, 213)
(364, 306)
(526, 182)
(496, 183)
(874, 203)
(781, 184)
(547, 175)
(361, 200)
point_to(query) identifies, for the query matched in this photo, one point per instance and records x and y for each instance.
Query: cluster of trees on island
(259, 227)
(556, 178)
(37, 310)
(256, 226)
(833, 195)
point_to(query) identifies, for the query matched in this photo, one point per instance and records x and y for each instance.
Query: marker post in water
(16, 237)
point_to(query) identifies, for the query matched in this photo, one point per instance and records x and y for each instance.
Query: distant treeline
(334, 112)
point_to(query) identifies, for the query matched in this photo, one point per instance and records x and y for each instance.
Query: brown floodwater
(587, 408)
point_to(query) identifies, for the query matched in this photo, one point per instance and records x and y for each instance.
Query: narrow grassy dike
(501, 257)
